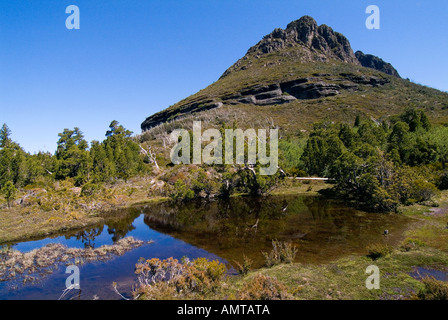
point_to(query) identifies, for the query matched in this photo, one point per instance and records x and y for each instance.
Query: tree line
(380, 164)
(116, 157)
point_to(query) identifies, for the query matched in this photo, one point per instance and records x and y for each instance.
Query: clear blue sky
(133, 58)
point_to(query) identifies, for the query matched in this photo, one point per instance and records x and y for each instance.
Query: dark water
(420, 273)
(225, 230)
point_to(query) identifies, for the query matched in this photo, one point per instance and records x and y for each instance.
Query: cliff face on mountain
(370, 61)
(304, 62)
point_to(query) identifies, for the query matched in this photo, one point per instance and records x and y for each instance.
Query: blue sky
(133, 58)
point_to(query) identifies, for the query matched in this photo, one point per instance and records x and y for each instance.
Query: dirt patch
(437, 212)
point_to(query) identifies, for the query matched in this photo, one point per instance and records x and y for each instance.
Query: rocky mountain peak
(305, 61)
(311, 42)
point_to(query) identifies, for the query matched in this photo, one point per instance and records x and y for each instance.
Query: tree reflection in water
(230, 228)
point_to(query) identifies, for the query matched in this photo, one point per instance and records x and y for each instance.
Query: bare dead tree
(151, 156)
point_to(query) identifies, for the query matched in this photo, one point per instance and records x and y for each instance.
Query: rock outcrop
(371, 61)
(318, 86)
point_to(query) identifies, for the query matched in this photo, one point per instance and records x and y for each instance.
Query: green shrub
(9, 192)
(424, 191)
(296, 172)
(91, 189)
(181, 192)
(433, 290)
(443, 182)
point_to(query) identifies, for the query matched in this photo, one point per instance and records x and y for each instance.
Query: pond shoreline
(421, 243)
(44, 228)
(16, 227)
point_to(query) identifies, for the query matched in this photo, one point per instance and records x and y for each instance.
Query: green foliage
(415, 119)
(91, 189)
(410, 244)
(9, 191)
(378, 250)
(73, 156)
(443, 182)
(120, 155)
(438, 138)
(203, 184)
(116, 157)
(115, 128)
(181, 191)
(290, 152)
(249, 180)
(433, 289)
(374, 164)
(322, 149)
(5, 136)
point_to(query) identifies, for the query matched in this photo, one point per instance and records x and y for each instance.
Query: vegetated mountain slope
(304, 74)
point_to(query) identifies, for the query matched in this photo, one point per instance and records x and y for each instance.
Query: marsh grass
(173, 279)
(282, 252)
(433, 289)
(32, 266)
(244, 267)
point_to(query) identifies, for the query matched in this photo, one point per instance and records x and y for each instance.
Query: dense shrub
(378, 250)
(263, 287)
(433, 290)
(181, 191)
(443, 182)
(379, 166)
(424, 191)
(91, 189)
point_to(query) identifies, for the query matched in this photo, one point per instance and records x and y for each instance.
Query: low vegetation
(170, 279)
(433, 290)
(33, 266)
(263, 287)
(282, 252)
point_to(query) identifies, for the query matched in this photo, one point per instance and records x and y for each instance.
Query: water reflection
(223, 229)
(235, 227)
(231, 228)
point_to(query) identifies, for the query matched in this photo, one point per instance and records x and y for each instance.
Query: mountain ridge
(304, 62)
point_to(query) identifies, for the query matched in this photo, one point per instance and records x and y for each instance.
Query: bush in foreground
(171, 279)
(433, 290)
(263, 287)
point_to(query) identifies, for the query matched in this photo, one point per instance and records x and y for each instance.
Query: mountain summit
(310, 42)
(307, 68)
